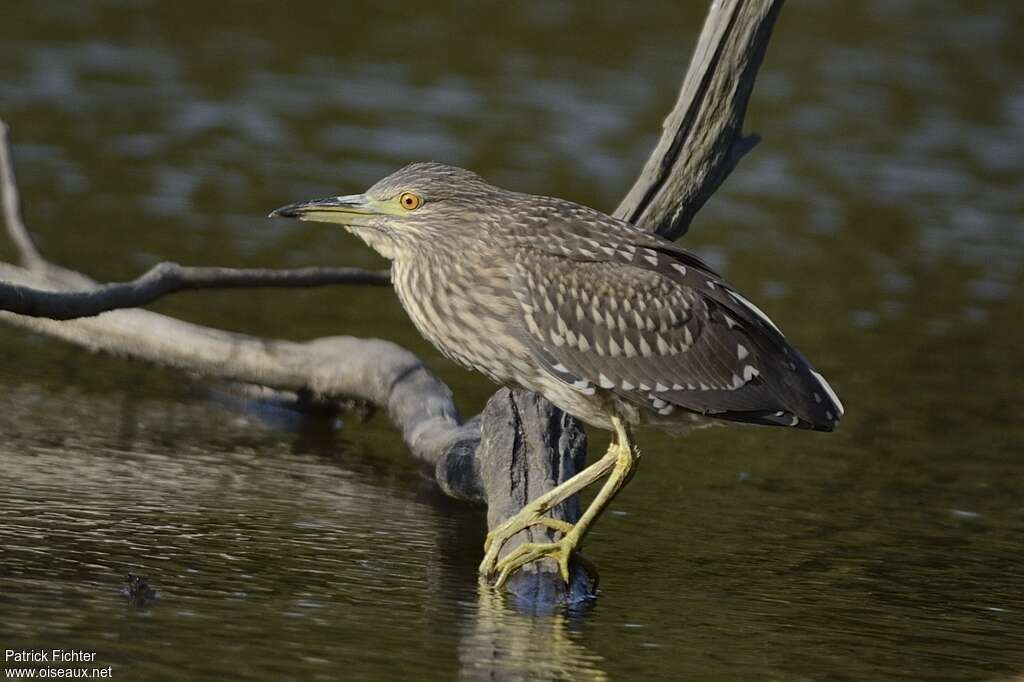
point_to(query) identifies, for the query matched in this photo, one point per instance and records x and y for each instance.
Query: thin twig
(27, 249)
(167, 278)
(162, 279)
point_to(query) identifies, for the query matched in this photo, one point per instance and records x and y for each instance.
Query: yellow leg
(618, 464)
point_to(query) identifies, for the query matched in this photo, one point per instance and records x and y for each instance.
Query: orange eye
(409, 201)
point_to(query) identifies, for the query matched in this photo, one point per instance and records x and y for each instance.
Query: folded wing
(639, 317)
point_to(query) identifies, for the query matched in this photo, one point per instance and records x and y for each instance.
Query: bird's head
(420, 205)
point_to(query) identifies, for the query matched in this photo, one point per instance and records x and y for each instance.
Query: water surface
(879, 222)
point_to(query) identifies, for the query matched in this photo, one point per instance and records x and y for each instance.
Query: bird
(613, 324)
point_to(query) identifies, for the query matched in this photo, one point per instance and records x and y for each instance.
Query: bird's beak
(353, 209)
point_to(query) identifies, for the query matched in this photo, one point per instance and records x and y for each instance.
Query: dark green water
(881, 223)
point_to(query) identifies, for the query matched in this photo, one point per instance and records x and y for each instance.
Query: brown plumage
(613, 324)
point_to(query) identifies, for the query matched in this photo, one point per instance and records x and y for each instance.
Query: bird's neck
(376, 240)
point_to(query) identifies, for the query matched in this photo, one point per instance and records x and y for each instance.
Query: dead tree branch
(327, 369)
(167, 278)
(521, 445)
(702, 139)
(30, 256)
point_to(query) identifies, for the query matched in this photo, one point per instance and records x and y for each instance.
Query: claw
(497, 538)
(560, 551)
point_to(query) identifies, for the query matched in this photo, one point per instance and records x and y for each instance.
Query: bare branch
(167, 278)
(703, 139)
(335, 368)
(27, 250)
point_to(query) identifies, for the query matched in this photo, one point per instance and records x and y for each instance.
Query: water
(880, 223)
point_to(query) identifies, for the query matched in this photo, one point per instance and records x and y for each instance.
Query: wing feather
(607, 305)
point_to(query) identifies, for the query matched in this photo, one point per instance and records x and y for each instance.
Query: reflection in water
(503, 644)
(879, 222)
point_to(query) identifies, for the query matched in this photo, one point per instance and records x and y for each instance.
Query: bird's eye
(410, 201)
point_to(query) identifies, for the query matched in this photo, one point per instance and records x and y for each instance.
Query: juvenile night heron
(612, 324)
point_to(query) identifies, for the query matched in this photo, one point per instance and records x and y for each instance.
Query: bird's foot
(561, 551)
(503, 533)
(528, 517)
